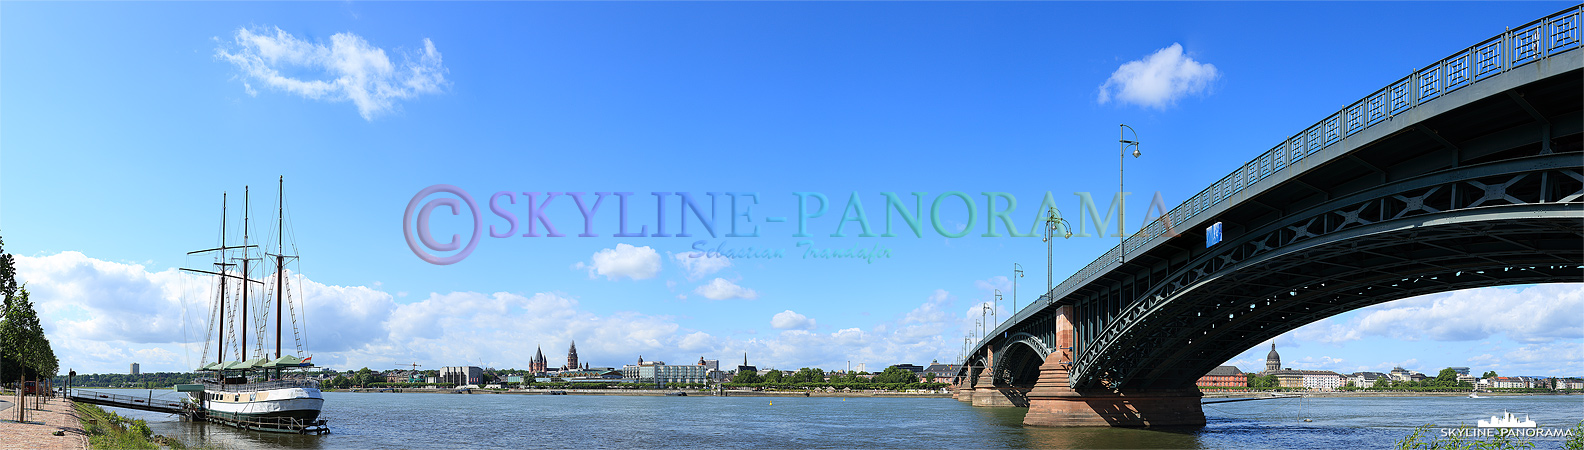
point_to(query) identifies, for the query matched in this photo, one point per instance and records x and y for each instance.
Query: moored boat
(254, 390)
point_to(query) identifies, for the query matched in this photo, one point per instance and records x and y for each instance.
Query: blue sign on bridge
(1213, 235)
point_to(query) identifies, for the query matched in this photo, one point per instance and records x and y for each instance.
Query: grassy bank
(108, 430)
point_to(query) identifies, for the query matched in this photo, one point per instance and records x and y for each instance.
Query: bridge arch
(1502, 223)
(1018, 363)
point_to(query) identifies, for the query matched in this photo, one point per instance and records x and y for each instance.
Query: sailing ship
(247, 387)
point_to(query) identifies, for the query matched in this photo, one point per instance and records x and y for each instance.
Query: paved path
(57, 414)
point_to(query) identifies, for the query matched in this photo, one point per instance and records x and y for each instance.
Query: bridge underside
(1476, 187)
(1218, 317)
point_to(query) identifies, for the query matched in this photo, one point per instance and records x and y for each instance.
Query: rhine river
(386, 420)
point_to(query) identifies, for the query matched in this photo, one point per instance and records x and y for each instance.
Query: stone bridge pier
(1052, 401)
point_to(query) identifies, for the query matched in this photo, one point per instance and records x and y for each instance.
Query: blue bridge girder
(1466, 173)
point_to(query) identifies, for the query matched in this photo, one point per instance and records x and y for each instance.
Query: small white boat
(1475, 395)
(1508, 420)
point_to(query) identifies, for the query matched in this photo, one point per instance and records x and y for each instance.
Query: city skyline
(111, 176)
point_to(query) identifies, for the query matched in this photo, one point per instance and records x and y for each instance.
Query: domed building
(1272, 360)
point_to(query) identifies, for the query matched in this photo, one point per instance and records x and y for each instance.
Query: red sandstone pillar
(986, 392)
(1054, 403)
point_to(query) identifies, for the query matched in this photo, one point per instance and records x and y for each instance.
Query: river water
(386, 420)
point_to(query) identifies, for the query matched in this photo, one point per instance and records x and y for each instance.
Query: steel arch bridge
(1466, 173)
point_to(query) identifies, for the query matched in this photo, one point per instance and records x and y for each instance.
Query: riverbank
(39, 431)
(656, 392)
(1374, 394)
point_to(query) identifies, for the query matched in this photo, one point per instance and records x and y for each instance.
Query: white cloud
(788, 320)
(994, 283)
(720, 289)
(932, 311)
(348, 69)
(701, 264)
(1535, 314)
(101, 315)
(1158, 80)
(637, 263)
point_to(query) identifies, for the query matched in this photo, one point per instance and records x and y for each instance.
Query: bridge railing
(262, 386)
(126, 401)
(1516, 47)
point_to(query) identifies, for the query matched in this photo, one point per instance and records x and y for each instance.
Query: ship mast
(246, 206)
(220, 339)
(222, 271)
(280, 260)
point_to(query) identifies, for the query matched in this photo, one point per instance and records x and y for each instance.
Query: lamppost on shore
(1121, 187)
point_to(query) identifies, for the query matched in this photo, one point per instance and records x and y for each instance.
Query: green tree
(808, 375)
(24, 350)
(1489, 374)
(1447, 378)
(896, 374)
(746, 376)
(363, 377)
(774, 376)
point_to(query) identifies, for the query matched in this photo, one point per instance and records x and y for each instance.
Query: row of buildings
(705, 371)
(1325, 380)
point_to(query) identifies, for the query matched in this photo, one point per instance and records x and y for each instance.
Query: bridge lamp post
(1052, 221)
(1121, 187)
(1017, 272)
(995, 311)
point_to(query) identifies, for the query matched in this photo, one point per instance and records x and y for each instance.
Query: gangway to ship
(191, 411)
(127, 401)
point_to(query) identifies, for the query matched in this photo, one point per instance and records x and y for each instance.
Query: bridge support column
(985, 391)
(963, 390)
(1054, 403)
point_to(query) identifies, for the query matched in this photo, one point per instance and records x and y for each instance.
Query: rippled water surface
(385, 420)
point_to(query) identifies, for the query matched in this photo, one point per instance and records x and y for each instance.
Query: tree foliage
(896, 374)
(1268, 381)
(744, 376)
(23, 346)
(808, 375)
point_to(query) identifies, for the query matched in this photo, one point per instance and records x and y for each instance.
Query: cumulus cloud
(721, 289)
(1534, 314)
(101, 315)
(636, 263)
(347, 69)
(932, 311)
(788, 320)
(1158, 80)
(700, 264)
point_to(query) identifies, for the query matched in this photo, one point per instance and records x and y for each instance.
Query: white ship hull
(302, 404)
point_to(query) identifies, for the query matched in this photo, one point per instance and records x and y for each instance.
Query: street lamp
(1017, 272)
(1051, 222)
(1121, 190)
(984, 310)
(995, 310)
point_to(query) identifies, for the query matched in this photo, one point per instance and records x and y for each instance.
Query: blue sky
(122, 123)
